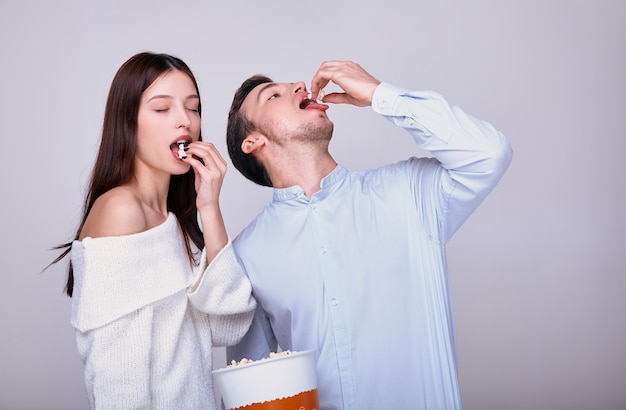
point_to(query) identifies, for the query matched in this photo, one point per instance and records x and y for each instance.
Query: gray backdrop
(537, 272)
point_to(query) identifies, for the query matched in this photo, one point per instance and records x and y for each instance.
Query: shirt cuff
(384, 98)
(426, 111)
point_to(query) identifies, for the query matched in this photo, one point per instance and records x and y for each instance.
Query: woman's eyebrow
(154, 97)
(166, 96)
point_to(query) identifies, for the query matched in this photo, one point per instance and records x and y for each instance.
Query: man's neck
(305, 171)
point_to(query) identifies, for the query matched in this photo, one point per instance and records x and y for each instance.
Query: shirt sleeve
(257, 343)
(224, 292)
(472, 154)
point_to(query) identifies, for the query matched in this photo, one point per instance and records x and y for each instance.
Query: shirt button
(323, 250)
(334, 302)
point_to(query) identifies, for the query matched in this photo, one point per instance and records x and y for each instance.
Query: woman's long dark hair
(114, 164)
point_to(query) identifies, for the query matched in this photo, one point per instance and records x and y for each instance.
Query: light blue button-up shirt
(358, 272)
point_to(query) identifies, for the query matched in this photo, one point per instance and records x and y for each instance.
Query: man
(352, 264)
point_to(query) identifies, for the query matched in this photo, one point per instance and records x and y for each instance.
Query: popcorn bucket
(285, 381)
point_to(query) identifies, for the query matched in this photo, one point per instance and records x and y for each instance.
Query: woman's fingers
(210, 156)
(210, 168)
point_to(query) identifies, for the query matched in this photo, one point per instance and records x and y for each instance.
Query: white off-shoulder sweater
(146, 319)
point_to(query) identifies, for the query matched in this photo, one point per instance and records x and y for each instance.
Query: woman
(139, 256)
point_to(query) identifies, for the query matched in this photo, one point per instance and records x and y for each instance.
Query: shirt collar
(296, 192)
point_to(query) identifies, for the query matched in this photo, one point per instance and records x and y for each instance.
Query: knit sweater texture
(146, 318)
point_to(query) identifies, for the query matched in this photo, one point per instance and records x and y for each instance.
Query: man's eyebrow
(265, 87)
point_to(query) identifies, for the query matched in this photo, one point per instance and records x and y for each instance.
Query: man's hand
(357, 84)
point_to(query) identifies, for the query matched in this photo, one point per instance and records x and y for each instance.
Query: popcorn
(320, 96)
(182, 154)
(272, 355)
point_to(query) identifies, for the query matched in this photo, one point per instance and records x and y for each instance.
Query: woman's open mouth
(180, 148)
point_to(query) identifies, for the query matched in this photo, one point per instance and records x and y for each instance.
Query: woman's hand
(209, 168)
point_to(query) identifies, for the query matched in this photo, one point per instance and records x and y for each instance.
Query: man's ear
(253, 141)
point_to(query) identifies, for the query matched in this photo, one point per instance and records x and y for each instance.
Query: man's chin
(319, 131)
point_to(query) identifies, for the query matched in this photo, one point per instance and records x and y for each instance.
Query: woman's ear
(252, 142)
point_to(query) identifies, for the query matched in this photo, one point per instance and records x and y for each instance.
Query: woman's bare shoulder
(115, 213)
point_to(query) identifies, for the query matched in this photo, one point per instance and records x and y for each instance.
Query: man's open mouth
(305, 103)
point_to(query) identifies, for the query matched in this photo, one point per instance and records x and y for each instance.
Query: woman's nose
(183, 120)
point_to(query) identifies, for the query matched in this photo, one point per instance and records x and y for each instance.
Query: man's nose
(299, 87)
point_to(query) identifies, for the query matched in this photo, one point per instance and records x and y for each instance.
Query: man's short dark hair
(238, 128)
